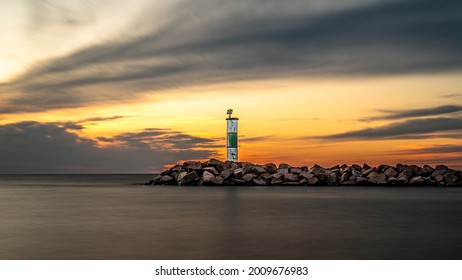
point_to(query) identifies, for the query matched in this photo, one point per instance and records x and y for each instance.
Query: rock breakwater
(225, 173)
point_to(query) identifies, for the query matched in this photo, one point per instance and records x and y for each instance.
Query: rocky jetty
(225, 173)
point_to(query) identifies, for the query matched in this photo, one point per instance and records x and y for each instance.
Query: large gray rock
(212, 170)
(257, 170)
(239, 173)
(296, 170)
(288, 177)
(402, 179)
(266, 176)
(249, 177)
(278, 176)
(316, 169)
(259, 182)
(377, 179)
(180, 175)
(218, 180)
(331, 178)
(270, 168)
(189, 178)
(344, 177)
(207, 177)
(362, 181)
(450, 178)
(166, 179)
(313, 181)
(416, 181)
(227, 173)
(390, 172)
(276, 182)
(284, 166)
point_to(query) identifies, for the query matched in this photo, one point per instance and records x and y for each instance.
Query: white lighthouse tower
(231, 143)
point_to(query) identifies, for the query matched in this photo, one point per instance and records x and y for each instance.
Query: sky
(112, 86)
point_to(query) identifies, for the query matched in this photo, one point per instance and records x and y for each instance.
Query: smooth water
(116, 217)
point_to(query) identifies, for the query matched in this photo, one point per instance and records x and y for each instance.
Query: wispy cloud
(410, 129)
(413, 113)
(209, 41)
(436, 149)
(33, 147)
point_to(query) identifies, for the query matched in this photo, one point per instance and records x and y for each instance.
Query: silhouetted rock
(239, 173)
(215, 172)
(188, 178)
(377, 179)
(270, 168)
(218, 180)
(207, 177)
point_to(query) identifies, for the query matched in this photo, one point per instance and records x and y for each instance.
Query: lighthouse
(231, 143)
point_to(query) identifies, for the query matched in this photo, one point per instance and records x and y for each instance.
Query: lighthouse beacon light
(232, 141)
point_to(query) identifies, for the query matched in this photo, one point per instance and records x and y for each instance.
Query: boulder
(427, 170)
(212, 170)
(365, 167)
(439, 170)
(249, 177)
(239, 173)
(303, 182)
(356, 167)
(366, 172)
(193, 166)
(406, 169)
(266, 176)
(218, 180)
(377, 179)
(331, 178)
(382, 168)
(259, 182)
(284, 166)
(207, 177)
(180, 175)
(450, 178)
(247, 167)
(316, 169)
(270, 168)
(390, 172)
(296, 170)
(313, 180)
(257, 170)
(278, 176)
(288, 177)
(344, 177)
(392, 181)
(213, 162)
(402, 179)
(416, 181)
(276, 181)
(362, 181)
(321, 177)
(238, 182)
(439, 178)
(166, 179)
(227, 173)
(356, 172)
(189, 178)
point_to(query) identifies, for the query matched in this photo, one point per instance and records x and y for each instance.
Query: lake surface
(116, 217)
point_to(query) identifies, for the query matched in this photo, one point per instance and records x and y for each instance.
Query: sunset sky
(109, 86)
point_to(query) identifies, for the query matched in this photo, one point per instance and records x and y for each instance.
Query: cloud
(207, 41)
(436, 149)
(426, 112)
(410, 129)
(33, 147)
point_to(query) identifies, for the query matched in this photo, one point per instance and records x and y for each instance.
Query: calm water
(113, 217)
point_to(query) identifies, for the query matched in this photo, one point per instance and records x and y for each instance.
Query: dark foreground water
(110, 217)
